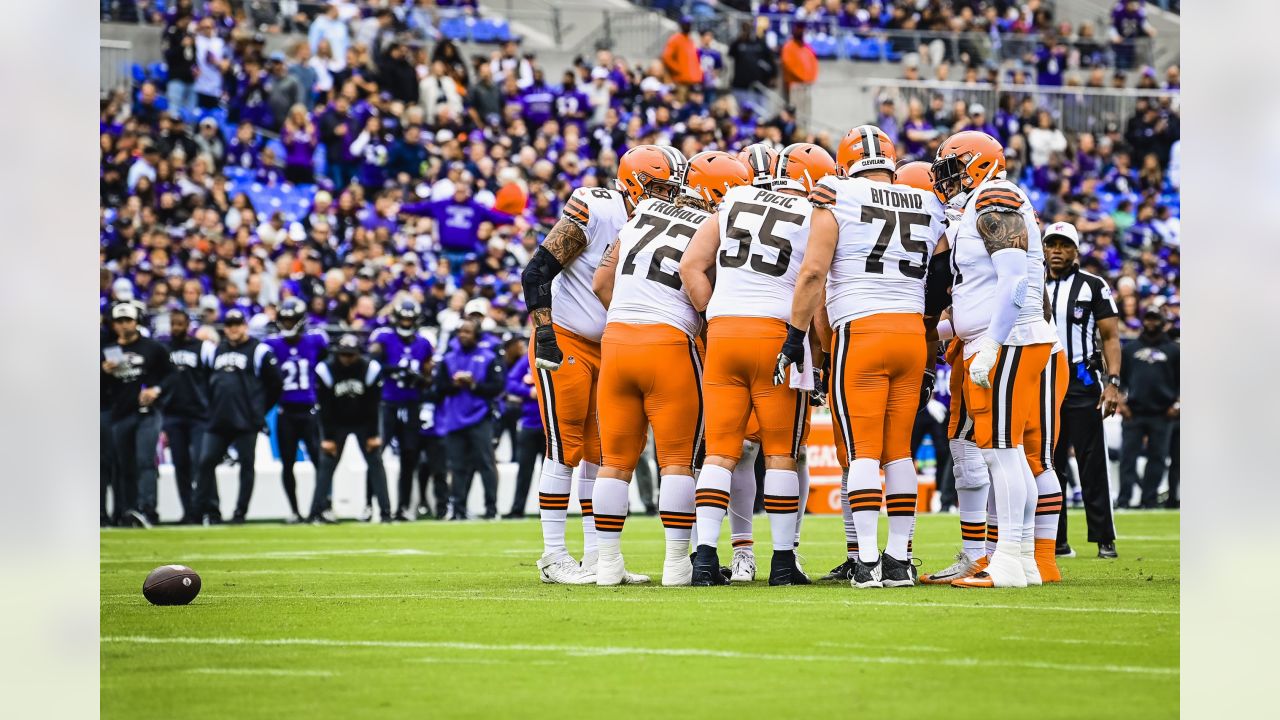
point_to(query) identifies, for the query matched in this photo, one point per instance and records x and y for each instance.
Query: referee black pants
(401, 423)
(1081, 428)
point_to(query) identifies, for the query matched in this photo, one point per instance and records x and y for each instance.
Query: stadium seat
(139, 73)
(454, 28)
(158, 72)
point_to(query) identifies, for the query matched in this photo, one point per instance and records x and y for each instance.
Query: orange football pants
(1042, 429)
(741, 355)
(959, 424)
(649, 375)
(876, 370)
(567, 399)
(1002, 412)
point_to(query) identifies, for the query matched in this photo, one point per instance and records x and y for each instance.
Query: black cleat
(866, 575)
(895, 572)
(237, 519)
(783, 570)
(1107, 551)
(840, 573)
(706, 568)
(1064, 550)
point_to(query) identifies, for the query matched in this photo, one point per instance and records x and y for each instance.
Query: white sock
(553, 504)
(850, 530)
(782, 503)
(675, 508)
(1009, 488)
(802, 474)
(586, 483)
(1048, 505)
(900, 486)
(711, 502)
(611, 498)
(993, 528)
(971, 495)
(742, 498)
(1028, 537)
(865, 499)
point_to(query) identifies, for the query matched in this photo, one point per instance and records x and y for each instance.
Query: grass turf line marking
(664, 593)
(864, 646)
(282, 555)
(273, 672)
(482, 661)
(1075, 641)
(590, 651)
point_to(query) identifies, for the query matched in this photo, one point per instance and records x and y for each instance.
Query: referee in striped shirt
(1089, 329)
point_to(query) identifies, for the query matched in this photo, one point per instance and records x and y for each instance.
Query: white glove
(983, 361)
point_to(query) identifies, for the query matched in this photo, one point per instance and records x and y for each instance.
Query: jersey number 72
(657, 226)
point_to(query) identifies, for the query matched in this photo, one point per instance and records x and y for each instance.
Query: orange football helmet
(917, 174)
(965, 161)
(802, 165)
(762, 161)
(866, 147)
(711, 174)
(651, 171)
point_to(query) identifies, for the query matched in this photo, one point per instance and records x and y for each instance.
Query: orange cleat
(1046, 561)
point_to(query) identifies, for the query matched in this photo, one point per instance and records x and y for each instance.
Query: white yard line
(266, 672)
(604, 651)
(284, 555)
(634, 595)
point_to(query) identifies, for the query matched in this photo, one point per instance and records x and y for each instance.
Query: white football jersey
(601, 214)
(887, 235)
(763, 236)
(973, 292)
(646, 285)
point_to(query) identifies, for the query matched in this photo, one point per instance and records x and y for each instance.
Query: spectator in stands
(437, 91)
(468, 379)
(211, 64)
(754, 63)
(799, 66)
(712, 65)
(509, 63)
(283, 90)
(1149, 376)
(334, 32)
(680, 60)
(1044, 139)
(180, 59)
(1128, 24)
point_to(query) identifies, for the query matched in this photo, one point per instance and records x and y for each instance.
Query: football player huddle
(718, 299)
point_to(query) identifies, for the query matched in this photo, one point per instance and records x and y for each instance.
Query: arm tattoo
(566, 241)
(610, 258)
(1000, 230)
(540, 317)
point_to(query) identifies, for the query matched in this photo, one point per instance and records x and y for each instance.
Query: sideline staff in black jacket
(138, 368)
(244, 382)
(185, 405)
(1150, 378)
(350, 392)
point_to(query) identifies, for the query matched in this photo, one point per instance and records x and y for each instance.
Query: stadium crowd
(386, 183)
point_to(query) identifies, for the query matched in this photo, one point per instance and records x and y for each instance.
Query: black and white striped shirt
(1079, 300)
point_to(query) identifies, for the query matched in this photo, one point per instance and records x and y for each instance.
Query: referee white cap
(1062, 229)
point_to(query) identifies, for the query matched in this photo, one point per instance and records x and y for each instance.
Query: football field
(434, 619)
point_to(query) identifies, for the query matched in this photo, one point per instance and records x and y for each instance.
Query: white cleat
(630, 578)
(589, 561)
(1029, 566)
(1003, 571)
(677, 571)
(743, 567)
(610, 568)
(562, 570)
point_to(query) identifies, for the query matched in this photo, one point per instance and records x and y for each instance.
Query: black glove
(792, 354)
(926, 387)
(546, 352)
(818, 396)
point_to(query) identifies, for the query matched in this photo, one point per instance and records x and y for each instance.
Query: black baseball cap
(349, 345)
(234, 316)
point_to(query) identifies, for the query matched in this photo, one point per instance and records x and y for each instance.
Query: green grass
(448, 620)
